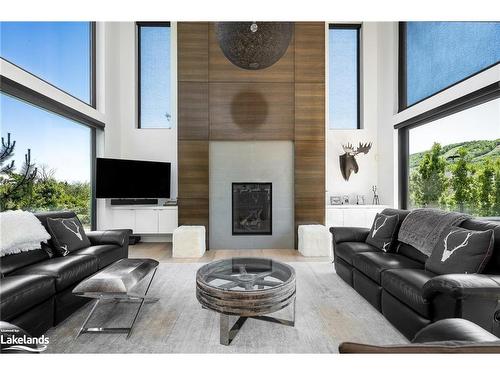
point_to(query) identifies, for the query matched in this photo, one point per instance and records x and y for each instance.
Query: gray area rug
(328, 311)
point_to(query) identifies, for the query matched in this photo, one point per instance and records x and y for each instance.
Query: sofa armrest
(117, 237)
(460, 286)
(349, 234)
(453, 329)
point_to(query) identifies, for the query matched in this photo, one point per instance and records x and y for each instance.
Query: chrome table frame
(120, 297)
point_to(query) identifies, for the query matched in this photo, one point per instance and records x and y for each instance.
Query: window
(154, 97)
(454, 162)
(60, 53)
(344, 76)
(436, 55)
(61, 150)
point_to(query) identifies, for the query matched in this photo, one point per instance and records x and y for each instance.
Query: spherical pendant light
(254, 45)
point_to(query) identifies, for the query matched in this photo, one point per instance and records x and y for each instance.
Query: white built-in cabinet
(352, 215)
(145, 219)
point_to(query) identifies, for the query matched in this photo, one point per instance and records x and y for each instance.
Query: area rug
(328, 311)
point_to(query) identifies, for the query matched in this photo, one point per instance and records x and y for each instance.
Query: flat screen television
(120, 178)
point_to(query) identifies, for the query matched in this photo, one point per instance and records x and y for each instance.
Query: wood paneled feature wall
(219, 101)
(251, 111)
(193, 123)
(309, 123)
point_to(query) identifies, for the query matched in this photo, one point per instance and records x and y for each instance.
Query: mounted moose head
(348, 159)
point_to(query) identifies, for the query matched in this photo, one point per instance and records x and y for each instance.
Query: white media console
(147, 219)
(352, 215)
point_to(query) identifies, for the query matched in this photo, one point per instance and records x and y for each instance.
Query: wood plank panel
(309, 211)
(309, 169)
(193, 211)
(193, 169)
(193, 110)
(222, 70)
(192, 51)
(309, 111)
(310, 52)
(251, 111)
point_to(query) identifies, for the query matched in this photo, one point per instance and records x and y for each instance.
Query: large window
(454, 162)
(436, 55)
(154, 75)
(344, 76)
(61, 151)
(60, 53)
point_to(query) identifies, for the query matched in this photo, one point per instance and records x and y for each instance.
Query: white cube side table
(188, 241)
(315, 240)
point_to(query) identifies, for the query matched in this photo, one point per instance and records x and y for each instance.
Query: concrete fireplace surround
(251, 161)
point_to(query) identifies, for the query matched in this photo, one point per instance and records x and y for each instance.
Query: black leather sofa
(444, 336)
(397, 284)
(35, 290)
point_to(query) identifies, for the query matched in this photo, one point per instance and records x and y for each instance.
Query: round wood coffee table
(246, 288)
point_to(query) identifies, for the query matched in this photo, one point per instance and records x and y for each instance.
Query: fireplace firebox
(252, 208)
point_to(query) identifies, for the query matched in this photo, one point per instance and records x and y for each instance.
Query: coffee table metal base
(228, 332)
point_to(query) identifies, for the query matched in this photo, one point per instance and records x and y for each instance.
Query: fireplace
(252, 208)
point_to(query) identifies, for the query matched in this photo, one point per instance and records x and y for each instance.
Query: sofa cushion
(105, 254)
(383, 231)
(406, 285)
(347, 250)
(20, 293)
(461, 250)
(67, 234)
(66, 270)
(10, 263)
(373, 264)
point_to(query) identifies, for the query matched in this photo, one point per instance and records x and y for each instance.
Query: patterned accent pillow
(461, 250)
(67, 234)
(382, 232)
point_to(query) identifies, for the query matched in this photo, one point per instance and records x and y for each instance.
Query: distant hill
(478, 150)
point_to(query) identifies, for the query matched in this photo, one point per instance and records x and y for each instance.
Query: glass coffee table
(246, 288)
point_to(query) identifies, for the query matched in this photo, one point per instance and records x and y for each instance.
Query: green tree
(485, 188)
(428, 182)
(496, 199)
(462, 181)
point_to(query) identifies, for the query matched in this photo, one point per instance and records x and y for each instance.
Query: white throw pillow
(20, 231)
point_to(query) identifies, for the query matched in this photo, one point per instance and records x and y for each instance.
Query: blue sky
(57, 52)
(155, 77)
(342, 79)
(440, 54)
(58, 142)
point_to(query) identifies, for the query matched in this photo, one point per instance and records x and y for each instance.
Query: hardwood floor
(162, 251)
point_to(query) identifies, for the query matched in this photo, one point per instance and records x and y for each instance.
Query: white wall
(360, 183)
(122, 138)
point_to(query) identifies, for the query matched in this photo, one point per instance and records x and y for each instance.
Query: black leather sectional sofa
(35, 290)
(397, 284)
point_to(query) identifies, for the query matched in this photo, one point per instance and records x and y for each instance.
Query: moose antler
(363, 148)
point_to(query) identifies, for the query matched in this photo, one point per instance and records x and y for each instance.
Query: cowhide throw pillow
(461, 251)
(382, 232)
(67, 234)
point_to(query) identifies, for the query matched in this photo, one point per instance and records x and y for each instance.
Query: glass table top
(245, 274)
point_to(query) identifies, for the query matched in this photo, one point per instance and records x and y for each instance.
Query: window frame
(473, 99)
(358, 28)
(93, 70)
(138, 26)
(402, 72)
